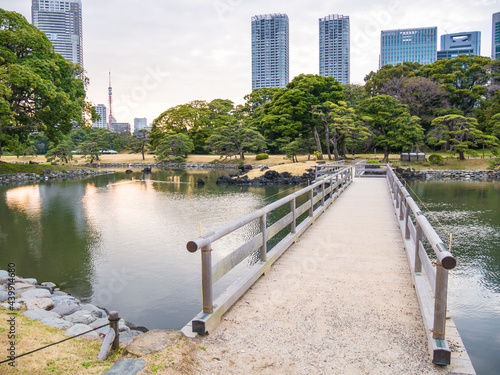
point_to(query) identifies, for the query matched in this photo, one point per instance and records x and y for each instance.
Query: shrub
(372, 162)
(494, 163)
(262, 156)
(427, 164)
(174, 159)
(436, 159)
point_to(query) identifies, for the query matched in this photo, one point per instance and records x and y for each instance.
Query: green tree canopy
(173, 145)
(39, 89)
(375, 80)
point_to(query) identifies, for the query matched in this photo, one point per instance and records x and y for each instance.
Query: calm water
(119, 241)
(470, 211)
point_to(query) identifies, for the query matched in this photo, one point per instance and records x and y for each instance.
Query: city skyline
(177, 52)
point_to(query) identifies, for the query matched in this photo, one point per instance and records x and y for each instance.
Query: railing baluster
(263, 230)
(418, 239)
(293, 228)
(440, 302)
(206, 279)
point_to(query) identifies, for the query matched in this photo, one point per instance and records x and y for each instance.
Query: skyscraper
(495, 37)
(270, 63)
(412, 45)
(61, 21)
(467, 43)
(102, 122)
(140, 123)
(334, 47)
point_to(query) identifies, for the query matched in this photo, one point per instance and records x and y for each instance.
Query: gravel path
(340, 301)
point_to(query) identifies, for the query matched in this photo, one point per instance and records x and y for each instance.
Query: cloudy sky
(167, 52)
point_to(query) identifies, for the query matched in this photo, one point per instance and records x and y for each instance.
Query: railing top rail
(200, 242)
(445, 257)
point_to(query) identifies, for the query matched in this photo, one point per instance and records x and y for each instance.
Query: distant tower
(334, 47)
(495, 37)
(110, 93)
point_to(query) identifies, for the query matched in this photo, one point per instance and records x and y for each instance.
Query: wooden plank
(428, 268)
(303, 208)
(236, 257)
(106, 345)
(316, 198)
(281, 224)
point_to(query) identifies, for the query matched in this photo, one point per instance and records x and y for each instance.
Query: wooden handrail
(433, 302)
(327, 189)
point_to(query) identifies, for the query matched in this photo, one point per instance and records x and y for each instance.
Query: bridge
(352, 289)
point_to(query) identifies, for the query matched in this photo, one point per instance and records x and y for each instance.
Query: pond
(470, 211)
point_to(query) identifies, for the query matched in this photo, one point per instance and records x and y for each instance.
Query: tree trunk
(142, 151)
(461, 155)
(327, 138)
(386, 154)
(242, 157)
(335, 148)
(318, 143)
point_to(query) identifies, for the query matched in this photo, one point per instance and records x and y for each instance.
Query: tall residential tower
(61, 21)
(495, 37)
(270, 62)
(412, 45)
(334, 47)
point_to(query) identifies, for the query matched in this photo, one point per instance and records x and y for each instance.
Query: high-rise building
(120, 127)
(467, 43)
(102, 122)
(412, 45)
(140, 123)
(334, 47)
(270, 62)
(495, 37)
(61, 21)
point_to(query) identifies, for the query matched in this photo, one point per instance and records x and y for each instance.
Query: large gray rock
(15, 306)
(97, 312)
(80, 328)
(66, 307)
(98, 323)
(153, 341)
(4, 296)
(39, 304)
(40, 314)
(2, 287)
(31, 281)
(56, 323)
(22, 287)
(80, 316)
(48, 284)
(36, 293)
(122, 326)
(127, 366)
(63, 298)
(3, 273)
(127, 337)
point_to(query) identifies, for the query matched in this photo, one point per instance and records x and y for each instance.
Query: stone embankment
(205, 166)
(49, 305)
(449, 175)
(31, 178)
(271, 177)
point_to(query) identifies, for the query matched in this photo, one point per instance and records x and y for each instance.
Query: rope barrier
(55, 343)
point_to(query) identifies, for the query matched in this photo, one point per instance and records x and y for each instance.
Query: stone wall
(31, 178)
(449, 175)
(206, 166)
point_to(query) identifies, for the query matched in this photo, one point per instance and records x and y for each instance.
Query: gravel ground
(341, 301)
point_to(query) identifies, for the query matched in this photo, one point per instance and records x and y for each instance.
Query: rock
(36, 293)
(44, 287)
(81, 316)
(46, 171)
(2, 287)
(272, 175)
(65, 308)
(4, 296)
(98, 323)
(23, 287)
(146, 170)
(56, 323)
(127, 337)
(128, 171)
(48, 284)
(80, 328)
(39, 304)
(58, 293)
(15, 306)
(41, 314)
(153, 341)
(31, 281)
(200, 181)
(97, 312)
(64, 298)
(103, 309)
(122, 326)
(245, 168)
(136, 328)
(3, 273)
(128, 366)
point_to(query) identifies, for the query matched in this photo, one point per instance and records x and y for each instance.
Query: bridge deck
(340, 301)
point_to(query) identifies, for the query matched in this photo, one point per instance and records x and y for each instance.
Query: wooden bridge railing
(429, 277)
(371, 169)
(320, 194)
(328, 168)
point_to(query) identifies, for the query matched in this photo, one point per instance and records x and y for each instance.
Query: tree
(375, 80)
(39, 89)
(62, 150)
(354, 94)
(139, 142)
(176, 145)
(91, 150)
(299, 146)
(392, 125)
(290, 113)
(235, 139)
(454, 133)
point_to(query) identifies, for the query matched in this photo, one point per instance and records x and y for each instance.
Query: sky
(162, 53)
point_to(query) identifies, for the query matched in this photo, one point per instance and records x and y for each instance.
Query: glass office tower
(61, 21)
(495, 37)
(467, 43)
(270, 61)
(412, 45)
(334, 47)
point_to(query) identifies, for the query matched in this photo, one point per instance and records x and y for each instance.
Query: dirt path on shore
(341, 301)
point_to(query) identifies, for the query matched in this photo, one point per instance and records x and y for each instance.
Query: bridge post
(440, 302)
(407, 218)
(401, 198)
(323, 193)
(293, 228)
(418, 240)
(263, 230)
(311, 197)
(206, 279)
